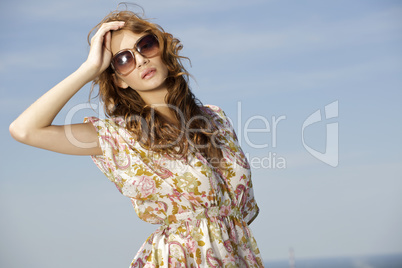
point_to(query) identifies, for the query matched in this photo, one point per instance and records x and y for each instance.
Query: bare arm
(34, 126)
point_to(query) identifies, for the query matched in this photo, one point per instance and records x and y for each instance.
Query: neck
(156, 99)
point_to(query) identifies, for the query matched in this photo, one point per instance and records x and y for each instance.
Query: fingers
(109, 26)
(100, 52)
(107, 42)
(104, 29)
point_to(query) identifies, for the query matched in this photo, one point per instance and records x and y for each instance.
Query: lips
(148, 73)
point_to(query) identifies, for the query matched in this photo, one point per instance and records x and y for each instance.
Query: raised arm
(34, 126)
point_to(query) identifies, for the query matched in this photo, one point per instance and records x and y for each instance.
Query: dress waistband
(202, 213)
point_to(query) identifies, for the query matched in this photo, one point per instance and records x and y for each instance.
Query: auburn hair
(145, 123)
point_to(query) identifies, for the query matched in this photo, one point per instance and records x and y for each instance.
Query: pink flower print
(191, 245)
(161, 170)
(146, 186)
(251, 258)
(228, 246)
(224, 211)
(233, 234)
(180, 209)
(173, 262)
(229, 261)
(201, 158)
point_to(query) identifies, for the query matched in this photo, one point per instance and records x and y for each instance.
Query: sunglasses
(124, 62)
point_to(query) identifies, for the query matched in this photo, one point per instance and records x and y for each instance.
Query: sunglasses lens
(148, 46)
(124, 62)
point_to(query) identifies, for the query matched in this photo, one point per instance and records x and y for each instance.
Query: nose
(141, 60)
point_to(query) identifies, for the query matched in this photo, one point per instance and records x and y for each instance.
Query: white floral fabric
(204, 214)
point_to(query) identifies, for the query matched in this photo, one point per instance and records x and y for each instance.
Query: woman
(178, 161)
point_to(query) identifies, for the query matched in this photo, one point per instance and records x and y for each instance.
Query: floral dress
(204, 215)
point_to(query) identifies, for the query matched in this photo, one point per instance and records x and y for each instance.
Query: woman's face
(149, 73)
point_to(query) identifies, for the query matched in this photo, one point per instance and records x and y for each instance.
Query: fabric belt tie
(202, 213)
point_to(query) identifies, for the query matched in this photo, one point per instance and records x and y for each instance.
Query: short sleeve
(249, 207)
(219, 116)
(233, 150)
(244, 188)
(114, 147)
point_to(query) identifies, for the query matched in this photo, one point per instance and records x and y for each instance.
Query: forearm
(34, 126)
(43, 111)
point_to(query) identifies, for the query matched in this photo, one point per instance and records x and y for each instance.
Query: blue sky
(255, 59)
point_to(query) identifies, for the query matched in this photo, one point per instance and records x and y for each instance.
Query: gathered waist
(204, 213)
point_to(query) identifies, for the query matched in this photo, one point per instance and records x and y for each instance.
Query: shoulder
(214, 111)
(106, 125)
(212, 108)
(112, 121)
(112, 131)
(218, 115)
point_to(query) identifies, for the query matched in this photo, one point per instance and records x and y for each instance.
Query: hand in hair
(100, 53)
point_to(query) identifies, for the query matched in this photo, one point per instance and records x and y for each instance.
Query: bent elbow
(18, 133)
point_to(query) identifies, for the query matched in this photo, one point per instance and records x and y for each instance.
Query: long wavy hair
(143, 121)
